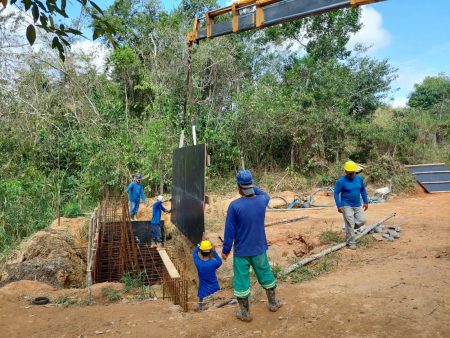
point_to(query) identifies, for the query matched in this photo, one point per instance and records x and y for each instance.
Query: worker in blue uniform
(348, 191)
(135, 194)
(207, 261)
(156, 220)
(245, 230)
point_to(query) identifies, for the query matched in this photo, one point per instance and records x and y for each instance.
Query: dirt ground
(389, 289)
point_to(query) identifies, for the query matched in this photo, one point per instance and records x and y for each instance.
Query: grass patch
(323, 265)
(64, 301)
(328, 237)
(111, 294)
(277, 272)
(365, 242)
(301, 275)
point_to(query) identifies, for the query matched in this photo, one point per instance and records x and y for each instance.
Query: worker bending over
(207, 261)
(245, 228)
(156, 220)
(347, 194)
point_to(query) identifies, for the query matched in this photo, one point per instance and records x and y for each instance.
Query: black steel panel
(437, 187)
(142, 230)
(427, 167)
(434, 177)
(188, 191)
(293, 9)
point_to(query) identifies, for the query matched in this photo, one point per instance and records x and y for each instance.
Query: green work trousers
(241, 268)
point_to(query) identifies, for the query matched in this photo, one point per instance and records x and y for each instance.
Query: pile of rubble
(388, 232)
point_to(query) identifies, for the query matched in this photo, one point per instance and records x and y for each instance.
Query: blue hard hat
(138, 176)
(244, 177)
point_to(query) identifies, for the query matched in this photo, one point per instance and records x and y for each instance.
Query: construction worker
(207, 261)
(347, 194)
(156, 220)
(135, 194)
(245, 229)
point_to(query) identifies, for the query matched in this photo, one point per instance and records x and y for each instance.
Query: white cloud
(399, 102)
(97, 52)
(372, 34)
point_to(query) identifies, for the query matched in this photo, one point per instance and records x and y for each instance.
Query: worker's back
(206, 269)
(246, 218)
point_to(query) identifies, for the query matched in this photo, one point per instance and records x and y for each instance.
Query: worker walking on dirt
(347, 194)
(156, 220)
(245, 228)
(135, 194)
(207, 261)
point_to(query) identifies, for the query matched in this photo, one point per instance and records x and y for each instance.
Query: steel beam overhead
(244, 15)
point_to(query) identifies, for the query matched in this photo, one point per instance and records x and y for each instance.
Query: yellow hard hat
(205, 245)
(350, 166)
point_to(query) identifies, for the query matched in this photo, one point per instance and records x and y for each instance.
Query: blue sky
(413, 34)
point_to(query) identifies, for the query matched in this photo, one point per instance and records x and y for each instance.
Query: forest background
(68, 129)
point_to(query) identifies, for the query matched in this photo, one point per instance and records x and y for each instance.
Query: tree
(432, 91)
(50, 15)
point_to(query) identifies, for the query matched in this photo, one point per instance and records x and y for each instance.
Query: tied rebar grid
(116, 249)
(117, 253)
(176, 289)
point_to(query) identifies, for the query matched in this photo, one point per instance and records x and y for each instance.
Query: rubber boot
(243, 313)
(273, 303)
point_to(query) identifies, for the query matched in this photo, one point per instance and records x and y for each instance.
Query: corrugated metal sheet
(432, 177)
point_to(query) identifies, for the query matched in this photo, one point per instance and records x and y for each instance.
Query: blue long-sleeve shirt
(245, 225)
(206, 269)
(348, 192)
(135, 192)
(156, 214)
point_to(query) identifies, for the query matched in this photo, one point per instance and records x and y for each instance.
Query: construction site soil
(383, 289)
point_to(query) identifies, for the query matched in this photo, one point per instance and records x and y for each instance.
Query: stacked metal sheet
(432, 177)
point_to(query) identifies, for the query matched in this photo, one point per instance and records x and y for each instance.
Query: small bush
(71, 209)
(111, 294)
(64, 301)
(133, 280)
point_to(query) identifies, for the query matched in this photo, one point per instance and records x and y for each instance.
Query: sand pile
(55, 256)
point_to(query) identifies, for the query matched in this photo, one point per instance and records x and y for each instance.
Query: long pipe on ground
(336, 247)
(286, 220)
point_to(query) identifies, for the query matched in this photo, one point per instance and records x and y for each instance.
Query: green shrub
(64, 301)
(111, 294)
(71, 209)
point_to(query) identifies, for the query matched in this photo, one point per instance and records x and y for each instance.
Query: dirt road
(391, 289)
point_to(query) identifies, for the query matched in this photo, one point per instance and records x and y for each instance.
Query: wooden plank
(171, 269)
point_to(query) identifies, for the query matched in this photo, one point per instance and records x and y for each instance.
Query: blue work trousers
(134, 208)
(156, 233)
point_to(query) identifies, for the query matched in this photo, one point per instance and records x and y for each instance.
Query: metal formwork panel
(188, 191)
(432, 177)
(427, 168)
